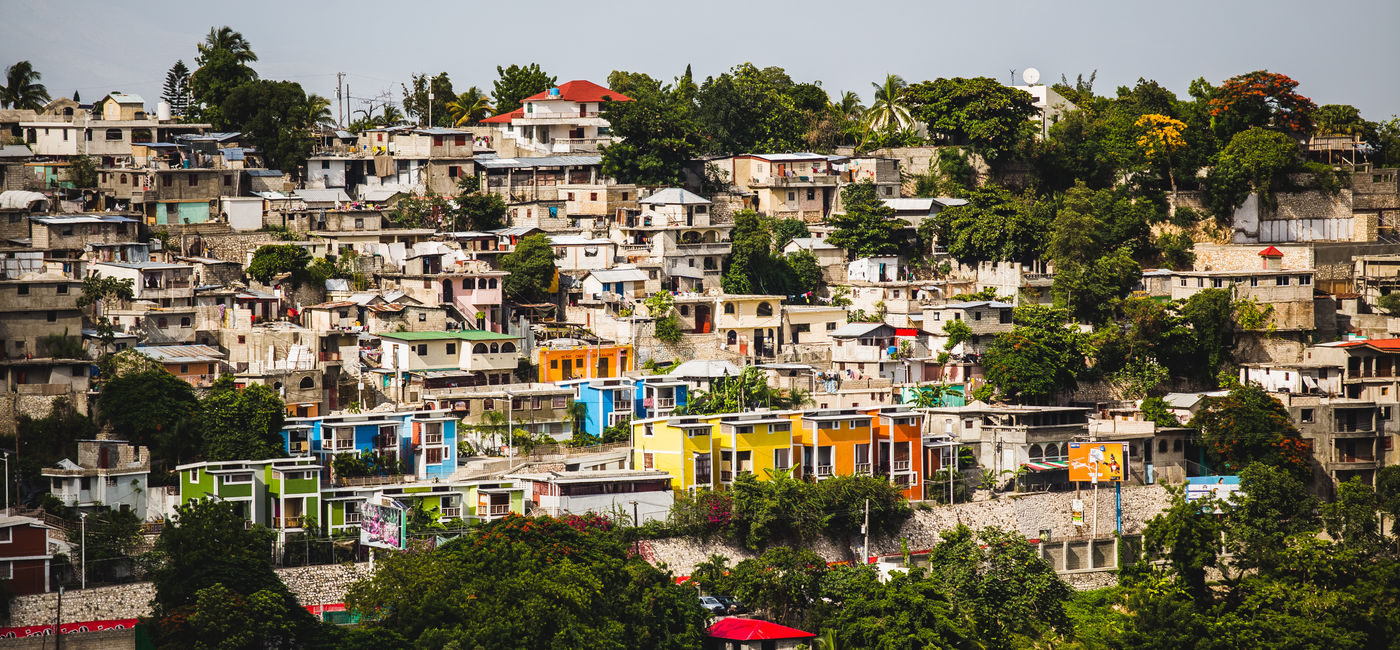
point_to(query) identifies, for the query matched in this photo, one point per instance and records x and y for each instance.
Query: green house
(280, 493)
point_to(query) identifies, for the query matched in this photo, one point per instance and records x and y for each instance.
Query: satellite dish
(1030, 76)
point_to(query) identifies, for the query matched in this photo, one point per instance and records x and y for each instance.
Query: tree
(1187, 536)
(1339, 119)
(22, 89)
(416, 102)
(659, 306)
(1390, 303)
(1354, 518)
(531, 583)
(516, 83)
(111, 536)
(222, 67)
(1039, 358)
(42, 442)
(1156, 411)
(481, 211)
(153, 408)
(636, 85)
(1091, 291)
(889, 111)
(868, 227)
(658, 139)
(1255, 160)
(241, 423)
(994, 225)
(275, 117)
(1272, 505)
(82, 170)
(531, 268)
(318, 112)
(1260, 99)
(748, 110)
(746, 391)
(272, 260)
(991, 119)
(1161, 136)
(470, 107)
(998, 577)
(176, 91)
(1248, 425)
(208, 558)
(1210, 313)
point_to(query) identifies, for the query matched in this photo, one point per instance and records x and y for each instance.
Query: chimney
(1273, 259)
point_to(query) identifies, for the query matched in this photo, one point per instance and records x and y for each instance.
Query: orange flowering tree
(1260, 98)
(1248, 425)
(1161, 135)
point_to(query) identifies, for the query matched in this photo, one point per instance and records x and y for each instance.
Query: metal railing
(453, 513)
(288, 522)
(665, 402)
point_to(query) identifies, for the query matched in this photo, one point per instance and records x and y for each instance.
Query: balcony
(726, 476)
(622, 406)
(825, 470)
(498, 510)
(703, 248)
(456, 513)
(543, 115)
(352, 517)
(299, 447)
(665, 403)
(862, 468)
(901, 465)
(795, 180)
(287, 522)
(432, 439)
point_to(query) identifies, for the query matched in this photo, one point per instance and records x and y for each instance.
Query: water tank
(553, 92)
(163, 111)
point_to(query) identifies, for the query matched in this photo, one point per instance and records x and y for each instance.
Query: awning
(1046, 465)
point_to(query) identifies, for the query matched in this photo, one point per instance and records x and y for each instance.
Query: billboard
(383, 523)
(1098, 461)
(1218, 487)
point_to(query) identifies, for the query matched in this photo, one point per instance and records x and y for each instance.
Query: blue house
(422, 444)
(613, 400)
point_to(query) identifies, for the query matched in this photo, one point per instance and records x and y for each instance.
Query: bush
(1390, 302)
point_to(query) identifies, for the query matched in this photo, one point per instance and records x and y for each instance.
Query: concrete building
(108, 474)
(641, 495)
(561, 120)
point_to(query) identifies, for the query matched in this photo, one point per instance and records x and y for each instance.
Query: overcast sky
(1342, 51)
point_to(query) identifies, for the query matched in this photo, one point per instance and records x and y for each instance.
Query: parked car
(732, 605)
(713, 605)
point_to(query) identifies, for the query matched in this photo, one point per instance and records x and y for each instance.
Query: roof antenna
(1013, 76)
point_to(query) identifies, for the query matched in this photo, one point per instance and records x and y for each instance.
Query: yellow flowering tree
(1161, 136)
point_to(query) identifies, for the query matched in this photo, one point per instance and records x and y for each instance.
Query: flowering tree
(1260, 98)
(1161, 136)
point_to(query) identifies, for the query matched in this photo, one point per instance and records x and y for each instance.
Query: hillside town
(980, 362)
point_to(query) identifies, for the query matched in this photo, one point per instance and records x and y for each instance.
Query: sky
(1340, 52)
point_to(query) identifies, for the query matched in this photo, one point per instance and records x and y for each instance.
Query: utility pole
(865, 530)
(58, 621)
(83, 520)
(339, 100)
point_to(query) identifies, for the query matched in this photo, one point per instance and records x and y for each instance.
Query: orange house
(832, 443)
(562, 363)
(899, 447)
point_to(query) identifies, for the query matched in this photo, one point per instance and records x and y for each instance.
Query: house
(424, 442)
(674, 231)
(197, 365)
(1348, 437)
(166, 285)
(609, 402)
(830, 257)
(531, 186)
(809, 327)
(34, 310)
(879, 350)
(448, 501)
(985, 319)
(785, 185)
(1050, 106)
(1289, 292)
(283, 494)
(642, 495)
(566, 359)
(485, 411)
(1310, 377)
(476, 357)
(580, 254)
(747, 325)
(109, 473)
(622, 285)
(561, 120)
(734, 633)
(75, 232)
(25, 558)
(1004, 437)
(915, 211)
(707, 451)
(470, 287)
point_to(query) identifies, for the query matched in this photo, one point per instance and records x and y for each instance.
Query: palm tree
(225, 38)
(888, 112)
(22, 88)
(470, 107)
(391, 116)
(318, 111)
(849, 106)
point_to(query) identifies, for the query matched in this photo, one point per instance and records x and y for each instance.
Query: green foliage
(22, 89)
(272, 260)
(1248, 425)
(1271, 506)
(274, 117)
(1390, 303)
(1175, 250)
(1039, 358)
(748, 110)
(415, 99)
(786, 230)
(518, 82)
(1260, 99)
(619, 432)
(1155, 410)
(755, 266)
(1256, 160)
(42, 442)
(530, 583)
(981, 113)
(222, 68)
(425, 212)
(154, 408)
(1210, 314)
(237, 424)
(995, 225)
(480, 212)
(531, 268)
(658, 135)
(868, 227)
(1250, 314)
(82, 170)
(957, 332)
(111, 536)
(1353, 520)
(748, 390)
(62, 346)
(106, 288)
(996, 575)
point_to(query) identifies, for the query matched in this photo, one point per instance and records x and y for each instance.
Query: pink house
(477, 295)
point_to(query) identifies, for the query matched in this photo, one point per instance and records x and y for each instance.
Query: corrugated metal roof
(182, 353)
(852, 330)
(543, 161)
(619, 275)
(675, 196)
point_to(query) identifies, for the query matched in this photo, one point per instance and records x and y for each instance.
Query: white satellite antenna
(1030, 76)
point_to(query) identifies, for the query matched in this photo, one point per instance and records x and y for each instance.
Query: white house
(639, 494)
(109, 474)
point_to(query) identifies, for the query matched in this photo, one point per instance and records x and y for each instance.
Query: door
(447, 291)
(602, 368)
(702, 319)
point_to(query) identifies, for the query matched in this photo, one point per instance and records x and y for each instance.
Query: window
(5, 538)
(729, 308)
(452, 348)
(1183, 282)
(194, 475)
(765, 309)
(1162, 446)
(62, 289)
(167, 180)
(1254, 282)
(976, 315)
(560, 402)
(592, 196)
(241, 477)
(185, 321)
(1281, 281)
(114, 134)
(184, 368)
(194, 180)
(422, 350)
(792, 196)
(648, 460)
(52, 316)
(1304, 280)
(23, 289)
(830, 327)
(1217, 283)
(812, 193)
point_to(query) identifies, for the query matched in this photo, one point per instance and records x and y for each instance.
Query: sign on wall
(383, 523)
(1097, 461)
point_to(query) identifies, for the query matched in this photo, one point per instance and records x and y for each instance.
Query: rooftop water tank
(163, 111)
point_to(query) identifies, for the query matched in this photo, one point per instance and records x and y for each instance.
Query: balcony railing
(901, 466)
(862, 468)
(497, 510)
(541, 115)
(726, 476)
(454, 513)
(665, 403)
(352, 517)
(288, 522)
(825, 470)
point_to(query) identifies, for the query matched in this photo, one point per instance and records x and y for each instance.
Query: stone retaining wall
(312, 585)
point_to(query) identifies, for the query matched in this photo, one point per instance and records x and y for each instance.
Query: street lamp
(510, 429)
(6, 458)
(83, 517)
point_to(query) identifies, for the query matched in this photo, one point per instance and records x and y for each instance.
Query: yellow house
(709, 450)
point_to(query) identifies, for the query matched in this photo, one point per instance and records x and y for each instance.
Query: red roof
(752, 629)
(1271, 252)
(504, 118)
(580, 91)
(1379, 344)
